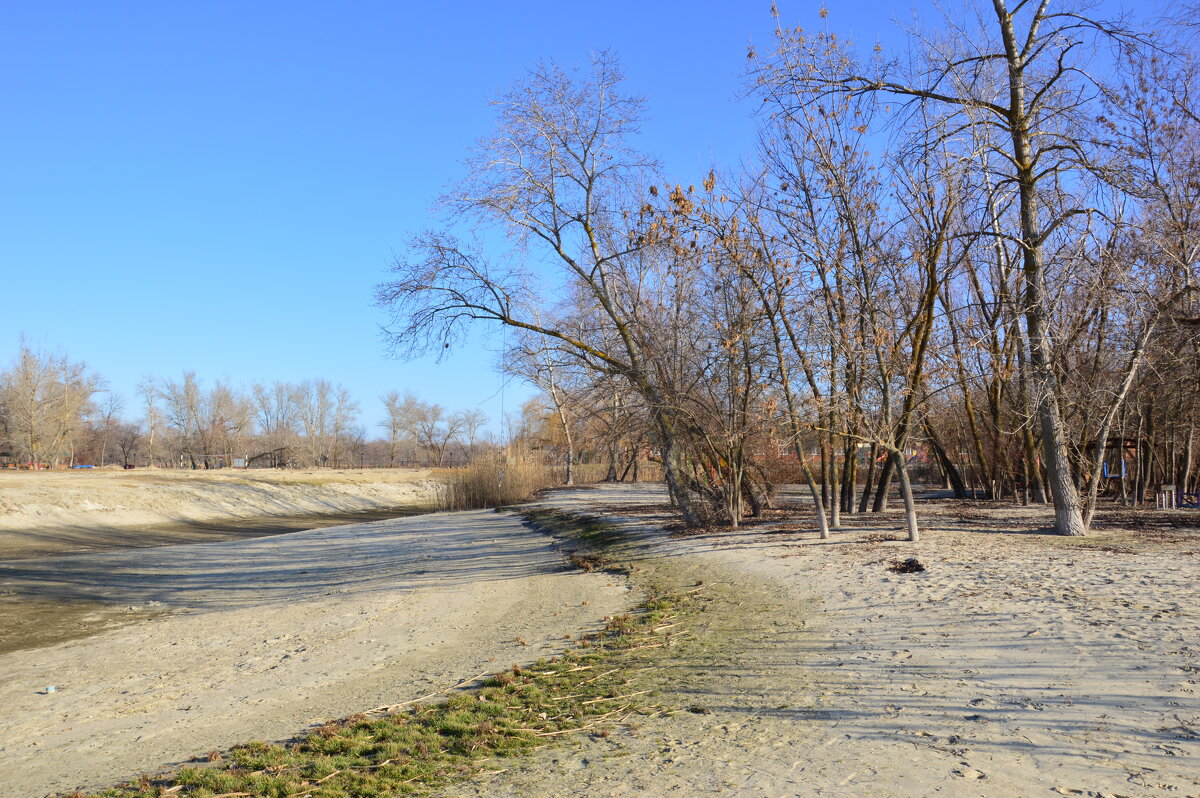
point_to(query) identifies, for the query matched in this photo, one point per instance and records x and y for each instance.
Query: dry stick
(560, 673)
(599, 719)
(463, 683)
(601, 676)
(613, 698)
(596, 722)
(568, 697)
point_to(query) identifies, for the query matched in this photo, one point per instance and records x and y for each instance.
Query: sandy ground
(60, 512)
(1015, 665)
(260, 639)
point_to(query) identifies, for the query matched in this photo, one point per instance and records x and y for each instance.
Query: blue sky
(217, 187)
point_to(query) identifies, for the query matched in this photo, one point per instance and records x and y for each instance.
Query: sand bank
(55, 512)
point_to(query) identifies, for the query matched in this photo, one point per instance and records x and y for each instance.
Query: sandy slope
(262, 638)
(54, 512)
(1016, 665)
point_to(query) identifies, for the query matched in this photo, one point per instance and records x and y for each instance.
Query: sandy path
(265, 637)
(1014, 666)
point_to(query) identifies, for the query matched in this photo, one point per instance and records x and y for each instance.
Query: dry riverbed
(225, 642)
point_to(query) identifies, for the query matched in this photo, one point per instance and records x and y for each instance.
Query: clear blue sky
(217, 186)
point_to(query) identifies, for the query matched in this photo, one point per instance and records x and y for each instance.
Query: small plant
(619, 624)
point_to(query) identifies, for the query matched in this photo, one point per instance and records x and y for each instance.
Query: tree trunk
(869, 482)
(910, 507)
(818, 505)
(951, 471)
(881, 488)
(1068, 511)
(849, 477)
(835, 481)
(824, 474)
(611, 476)
(675, 486)
(570, 456)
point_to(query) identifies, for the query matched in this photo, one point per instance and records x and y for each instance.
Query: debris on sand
(910, 566)
(586, 562)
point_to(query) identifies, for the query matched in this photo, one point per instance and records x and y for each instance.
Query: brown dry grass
(495, 482)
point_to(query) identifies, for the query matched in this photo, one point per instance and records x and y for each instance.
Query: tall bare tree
(560, 175)
(45, 397)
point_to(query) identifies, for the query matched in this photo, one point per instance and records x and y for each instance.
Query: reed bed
(494, 482)
(513, 478)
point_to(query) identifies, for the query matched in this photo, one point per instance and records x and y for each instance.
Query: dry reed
(495, 482)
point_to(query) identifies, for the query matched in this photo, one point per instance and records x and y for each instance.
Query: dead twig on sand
(613, 698)
(394, 707)
(596, 722)
(601, 676)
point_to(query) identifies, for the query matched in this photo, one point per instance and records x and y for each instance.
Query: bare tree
(152, 417)
(314, 411)
(544, 365)
(470, 423)
(395, 424)
(434, 429)
(560, 174)
(275, 414)
(46, 397)
(344, 429)
(107, 416)
(129, 437)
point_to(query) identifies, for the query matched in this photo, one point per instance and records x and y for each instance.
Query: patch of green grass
(594, 686)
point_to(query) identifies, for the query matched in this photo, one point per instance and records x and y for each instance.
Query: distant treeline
(55, 412)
